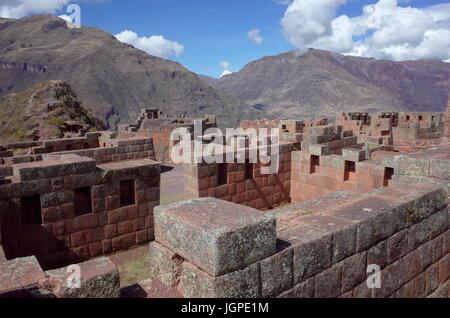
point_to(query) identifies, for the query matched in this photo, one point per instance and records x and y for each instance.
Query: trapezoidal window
(388, 173)
(222, 174)
(31, 210)
(83, 202)
(408, 118)
(248, 170)
(350, 171)
(127, 193)
(420, 118)
(315, 164)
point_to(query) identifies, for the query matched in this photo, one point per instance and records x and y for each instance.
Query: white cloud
(254, 35)
(226, 72)
(155, 45)
(21, 8)
(66, 17)
(383, 30)
(226, 68)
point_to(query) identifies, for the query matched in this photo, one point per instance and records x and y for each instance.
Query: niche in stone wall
(315, 164)
(127, 193)
(388, 173)
(31, 210)
(350, 171)
(249, 170)
(222, 172)
(83, 201)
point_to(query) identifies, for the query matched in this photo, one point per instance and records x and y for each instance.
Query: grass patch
(56, 121)
(134, 270)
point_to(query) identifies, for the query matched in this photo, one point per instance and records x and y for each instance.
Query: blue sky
(213, 31)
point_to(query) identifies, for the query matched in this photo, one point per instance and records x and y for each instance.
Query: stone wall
(113, 150)
(314, 175)
(91, 140)
(320, 248)
(68, 208)
(24, 278)
(249, 188)
(429, 166)
(161, 138)
(154, 124)
(447, 120)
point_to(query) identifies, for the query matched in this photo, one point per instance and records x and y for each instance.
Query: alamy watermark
(374, 278)
(74, 279)
(74, 19)
(236, 145)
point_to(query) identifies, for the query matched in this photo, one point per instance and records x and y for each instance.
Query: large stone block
(99, 278)
(312, 250)
(19, 277)
(277, 273)
(195, 283)
(303, 290)
(217, 236)
(165, 265)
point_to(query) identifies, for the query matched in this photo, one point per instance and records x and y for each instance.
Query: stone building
(344, 197)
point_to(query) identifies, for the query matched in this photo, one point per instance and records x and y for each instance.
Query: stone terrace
(341, 201)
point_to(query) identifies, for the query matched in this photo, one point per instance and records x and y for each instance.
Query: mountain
(208, 79)
(321, 83)
(113, 79)
(40, 112)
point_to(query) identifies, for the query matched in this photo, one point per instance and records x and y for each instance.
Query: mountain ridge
(113, 79)
(322, 83)
(40, 112)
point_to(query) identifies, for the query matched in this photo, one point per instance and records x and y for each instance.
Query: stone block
(312, 251)
(277, 273)
(354, 155)
(303, 290)
(217, 236)
(99, 278)
(397, 246)
(165, 265)
(19, 277)
(243, 283)
(353, 271)
(329, 282)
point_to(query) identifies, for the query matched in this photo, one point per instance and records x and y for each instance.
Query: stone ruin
(346, 196)
(158, 126)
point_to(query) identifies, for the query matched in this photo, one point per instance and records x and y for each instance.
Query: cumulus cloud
(226, 68)
(21, 8)
(155, 45)
(382, 30)
(254, 36)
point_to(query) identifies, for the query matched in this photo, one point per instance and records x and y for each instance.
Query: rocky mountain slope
(41, 111)
(112, 79)
(321, 83)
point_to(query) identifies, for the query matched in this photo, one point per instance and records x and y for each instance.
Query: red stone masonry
(324, 247)
(67, 208)
(241, 183)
